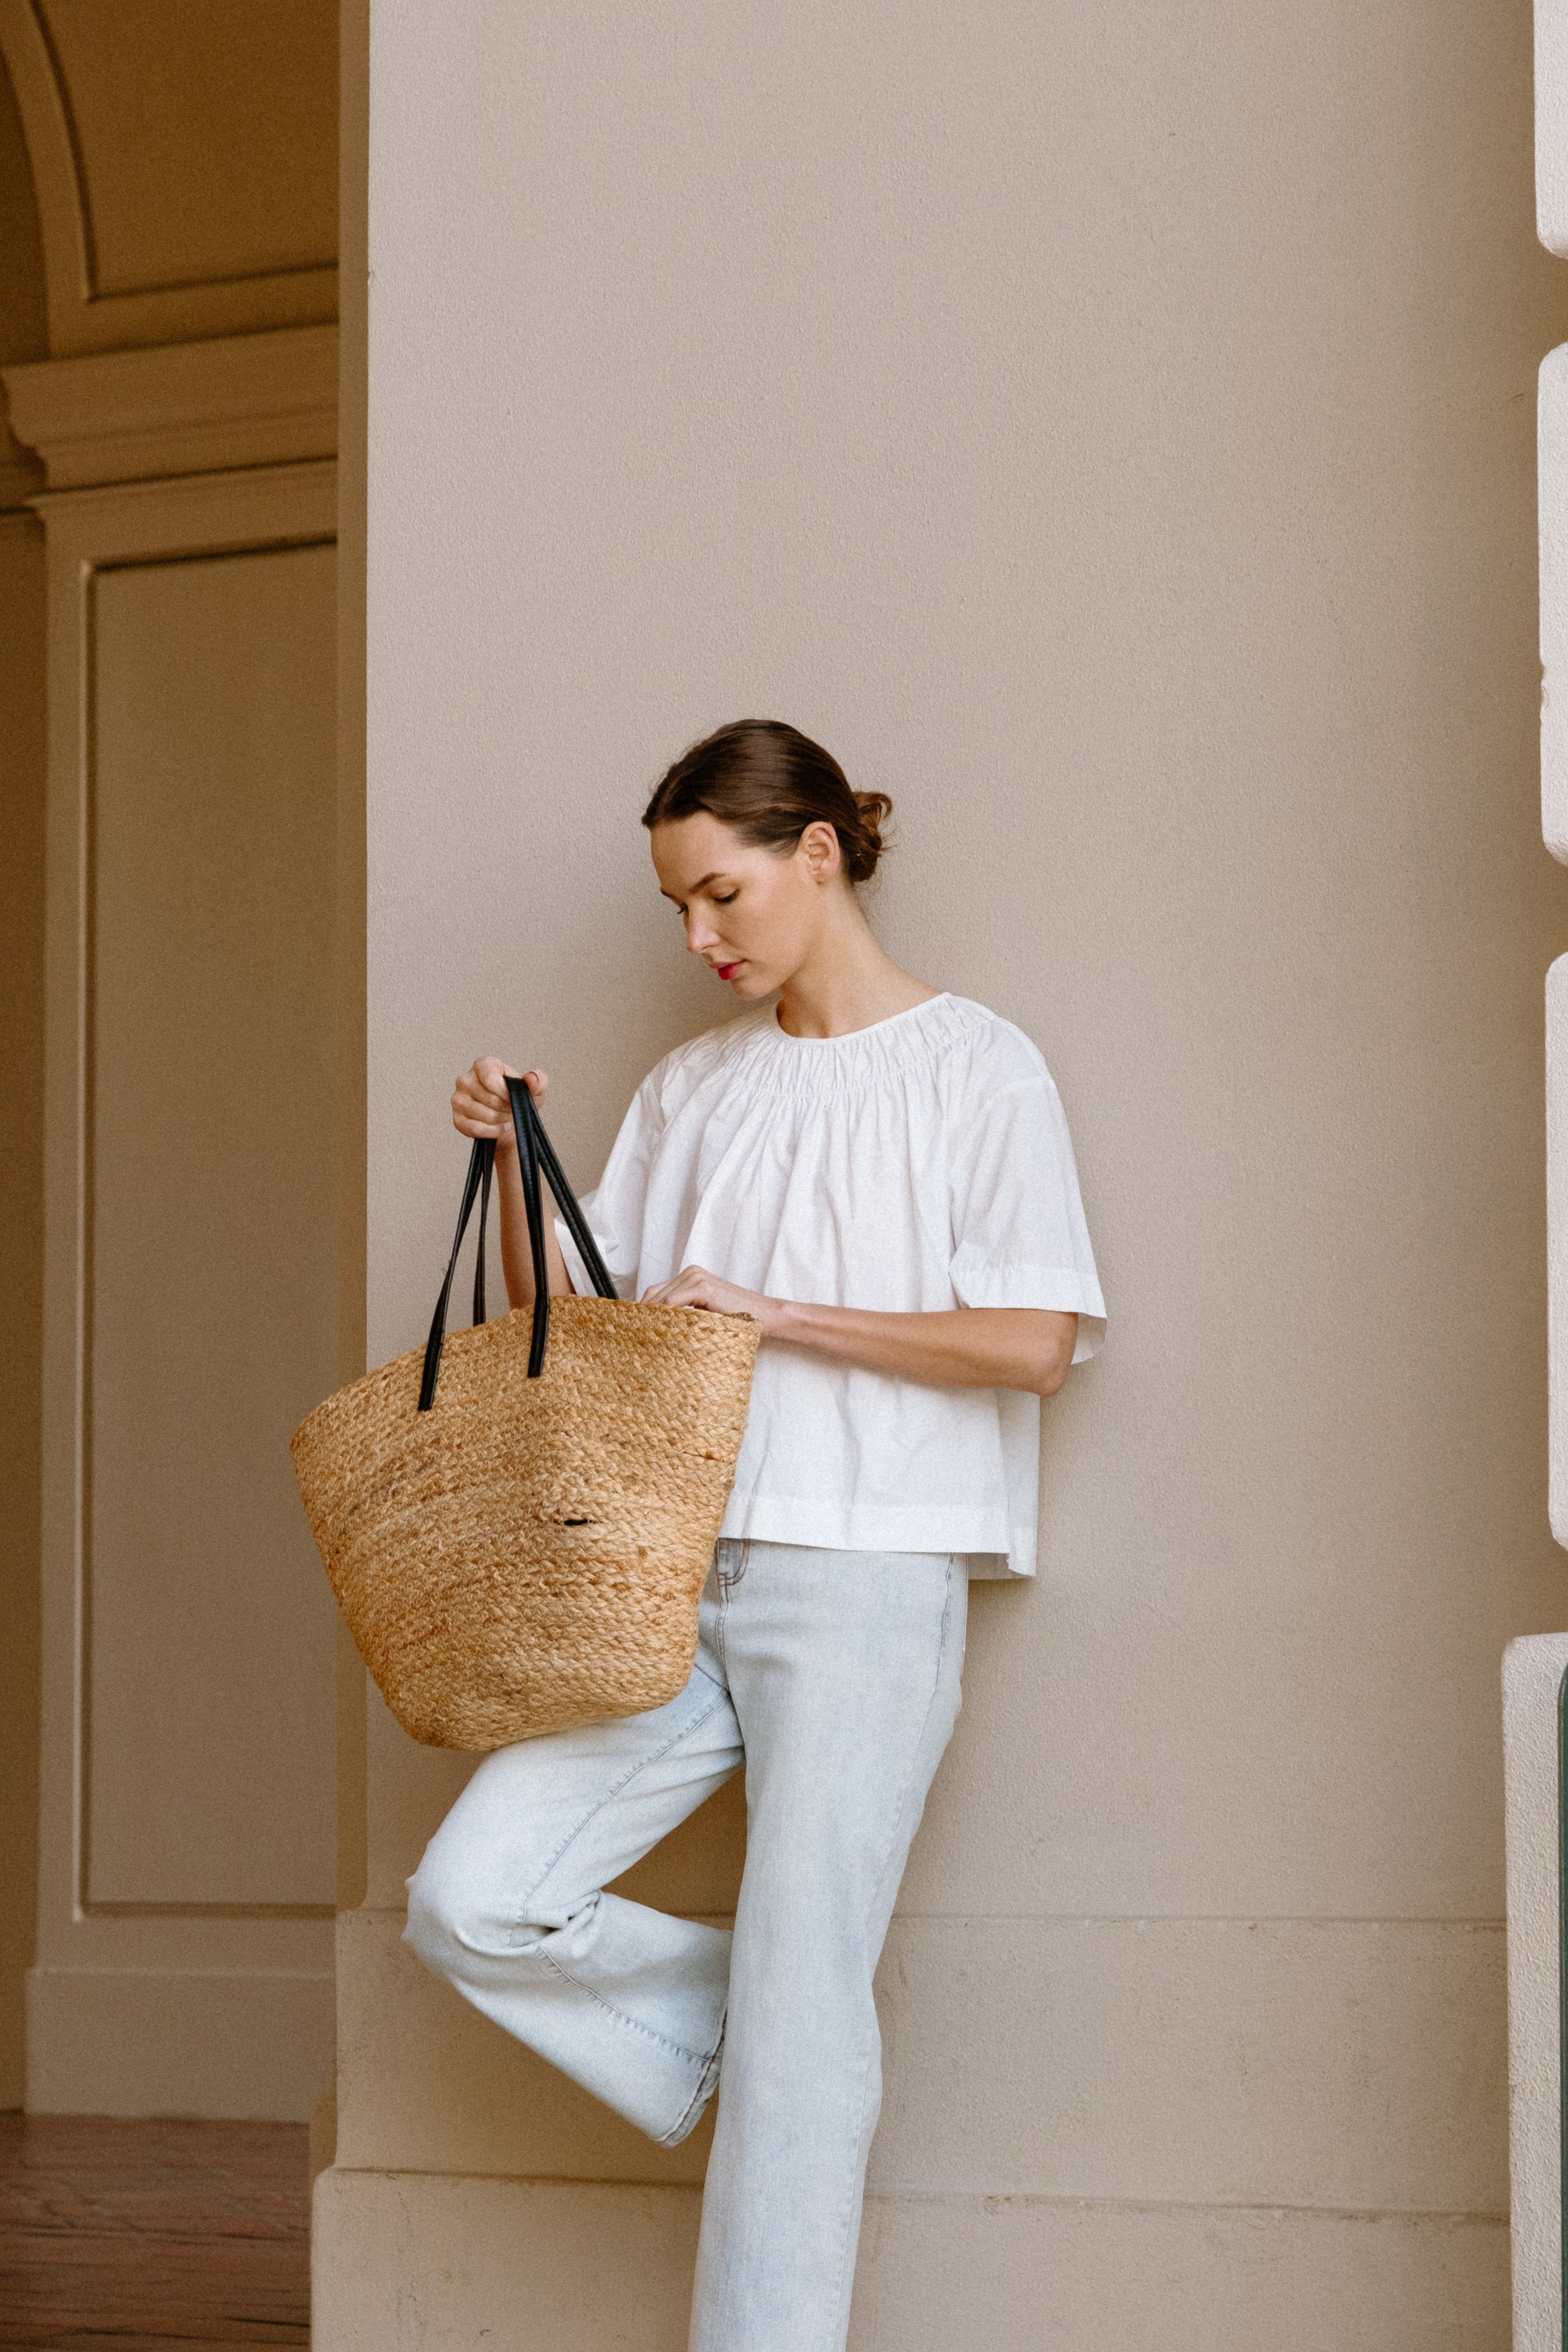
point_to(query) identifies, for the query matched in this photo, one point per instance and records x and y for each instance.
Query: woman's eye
(727, 901)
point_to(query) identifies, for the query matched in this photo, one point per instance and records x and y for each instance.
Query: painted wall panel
(22, 822)
(187, 1797)
(213, 1300)
(207, 138)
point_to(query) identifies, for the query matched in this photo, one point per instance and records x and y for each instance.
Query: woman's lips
(727, 971)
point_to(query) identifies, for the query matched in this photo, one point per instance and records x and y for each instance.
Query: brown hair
(770, 782)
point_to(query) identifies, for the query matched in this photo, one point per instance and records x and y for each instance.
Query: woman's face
(753, 916)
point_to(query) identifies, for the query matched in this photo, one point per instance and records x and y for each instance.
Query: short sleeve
(1019, 1236)
(613, 1209)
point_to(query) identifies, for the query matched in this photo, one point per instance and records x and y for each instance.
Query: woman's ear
(819, 846)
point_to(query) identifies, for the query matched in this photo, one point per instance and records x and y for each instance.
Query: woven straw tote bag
(518, 1521)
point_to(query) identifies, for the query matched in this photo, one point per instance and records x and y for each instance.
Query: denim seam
(728, 1580)
(610, 1794)
(680, 2049)
(849, 2206)
(722, 1620)
(942, 1649)
(898, 1818)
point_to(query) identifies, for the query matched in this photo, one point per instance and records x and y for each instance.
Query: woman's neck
(848, 983)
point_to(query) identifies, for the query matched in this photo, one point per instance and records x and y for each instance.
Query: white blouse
(920, 1164)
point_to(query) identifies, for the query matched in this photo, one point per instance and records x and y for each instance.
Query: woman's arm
(1026, 1348)
(480, 1106)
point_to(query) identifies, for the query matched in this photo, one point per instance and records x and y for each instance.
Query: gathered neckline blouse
(916, 1165)
(889, 1021)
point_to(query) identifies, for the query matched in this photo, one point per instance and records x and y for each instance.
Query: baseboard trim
(218, 2044)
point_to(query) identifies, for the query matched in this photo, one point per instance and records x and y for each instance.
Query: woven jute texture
(528, 1554)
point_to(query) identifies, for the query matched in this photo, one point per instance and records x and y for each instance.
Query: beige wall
(1110, 432)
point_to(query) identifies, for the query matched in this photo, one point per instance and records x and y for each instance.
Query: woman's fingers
(486, 1081)
(695, 1286)
(475, 1113)
(689, 1288)
(481, 1105)
(490, 1074)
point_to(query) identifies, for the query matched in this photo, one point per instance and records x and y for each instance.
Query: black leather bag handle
(534, 1153)
(476, 1185)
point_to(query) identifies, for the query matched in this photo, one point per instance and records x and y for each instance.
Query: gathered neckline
(754, 1052)
(871, 1029)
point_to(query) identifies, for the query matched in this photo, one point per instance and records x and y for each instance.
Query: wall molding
(50, 130)
(80, 318)
(87, 1950)
(180, 408)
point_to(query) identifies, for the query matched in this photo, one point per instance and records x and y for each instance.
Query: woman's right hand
(479, 1102)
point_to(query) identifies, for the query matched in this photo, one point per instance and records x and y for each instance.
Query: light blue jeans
(834, 1678)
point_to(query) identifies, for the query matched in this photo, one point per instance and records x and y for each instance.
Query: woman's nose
(700, 936)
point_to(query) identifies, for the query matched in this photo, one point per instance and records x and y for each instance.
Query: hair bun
(866, 845)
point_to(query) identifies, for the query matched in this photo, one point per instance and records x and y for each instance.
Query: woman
(880, 1173)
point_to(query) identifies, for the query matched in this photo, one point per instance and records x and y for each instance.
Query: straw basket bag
(519, 1537)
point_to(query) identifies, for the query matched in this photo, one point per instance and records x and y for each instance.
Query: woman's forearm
(1029, 1348)
(965, 1348)
(516, 1256)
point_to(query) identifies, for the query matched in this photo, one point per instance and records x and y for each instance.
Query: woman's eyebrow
(694, 889)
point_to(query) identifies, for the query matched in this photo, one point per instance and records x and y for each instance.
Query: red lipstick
(727, 971)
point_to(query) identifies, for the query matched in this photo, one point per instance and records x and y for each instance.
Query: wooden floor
(152, 2237)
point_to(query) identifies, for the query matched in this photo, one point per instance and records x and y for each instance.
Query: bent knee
(450, 1922)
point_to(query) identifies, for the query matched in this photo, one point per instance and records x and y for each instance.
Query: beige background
(1112, 437)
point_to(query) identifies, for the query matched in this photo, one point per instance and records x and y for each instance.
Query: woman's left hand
(695, 1286)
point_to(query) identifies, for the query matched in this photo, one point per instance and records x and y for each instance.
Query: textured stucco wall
(1110, 432)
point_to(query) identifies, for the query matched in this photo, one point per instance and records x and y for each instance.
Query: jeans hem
(692, 2114)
